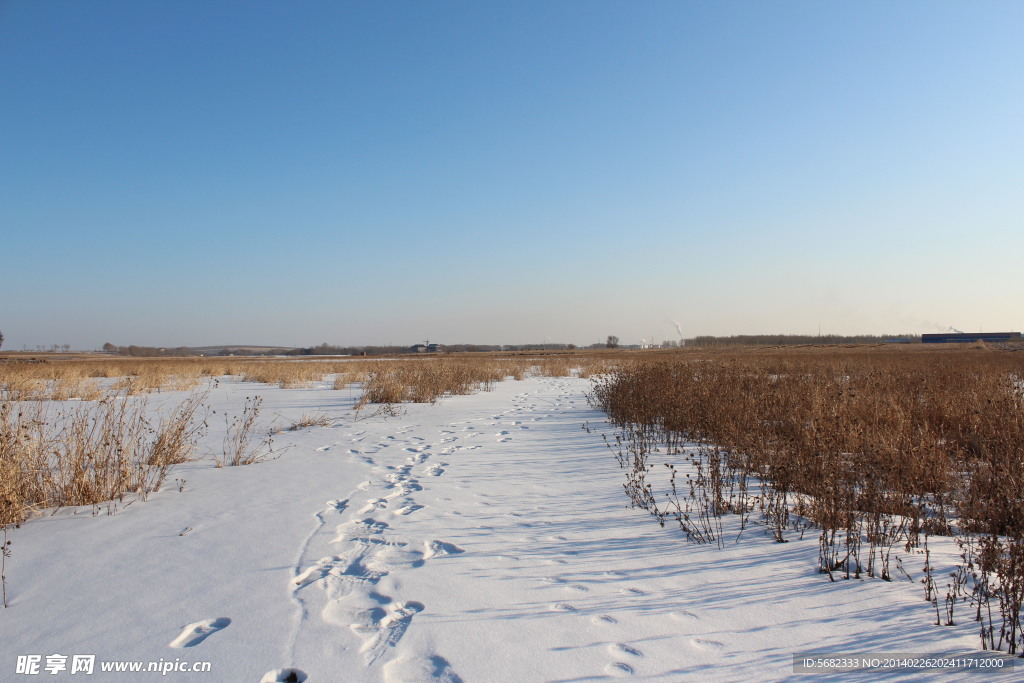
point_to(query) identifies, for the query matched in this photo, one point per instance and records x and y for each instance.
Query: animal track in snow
(632, 591)
(434, 470)
(604, 619)
(562, 607)
(199, 631)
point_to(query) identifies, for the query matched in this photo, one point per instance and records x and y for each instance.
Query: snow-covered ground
(482, 538)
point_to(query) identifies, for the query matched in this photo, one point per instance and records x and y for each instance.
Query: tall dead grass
(425, 381)
(89, 454)
(875, 451)
(285, 374)
(81, 379)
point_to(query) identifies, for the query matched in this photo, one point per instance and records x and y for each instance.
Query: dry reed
(875, 450)
(89, 454)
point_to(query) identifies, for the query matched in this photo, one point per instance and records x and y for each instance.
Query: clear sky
(191, 172)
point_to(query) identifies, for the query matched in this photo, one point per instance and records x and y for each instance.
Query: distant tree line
(150, 350)
(533, 347)
(329, 350)
(323, 350)
(792, 339)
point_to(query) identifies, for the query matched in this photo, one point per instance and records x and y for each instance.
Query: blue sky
(205, 172)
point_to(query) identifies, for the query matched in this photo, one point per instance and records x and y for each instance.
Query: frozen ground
(484, 538)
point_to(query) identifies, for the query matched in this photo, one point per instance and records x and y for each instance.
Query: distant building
(425, 348)
(969, 337)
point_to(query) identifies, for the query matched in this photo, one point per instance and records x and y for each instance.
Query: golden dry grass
(875, 448)
(89, 454)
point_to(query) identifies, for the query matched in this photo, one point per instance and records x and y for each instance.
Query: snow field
(482, 538)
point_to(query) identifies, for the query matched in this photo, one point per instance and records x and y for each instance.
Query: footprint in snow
(619, 669)
(391, 558)
(372, 505)
(622, 649)
(684, 615)
(604, 619)
(406, 668)
(438, 548)
(316, 572)
(706, 644)
(632, 591)
(323, 448)
(408, 509)
(284, 676)
(360, 530)
(434, 470)
(562, 607)
(407, 487)
(199, 631)
(382, 628)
